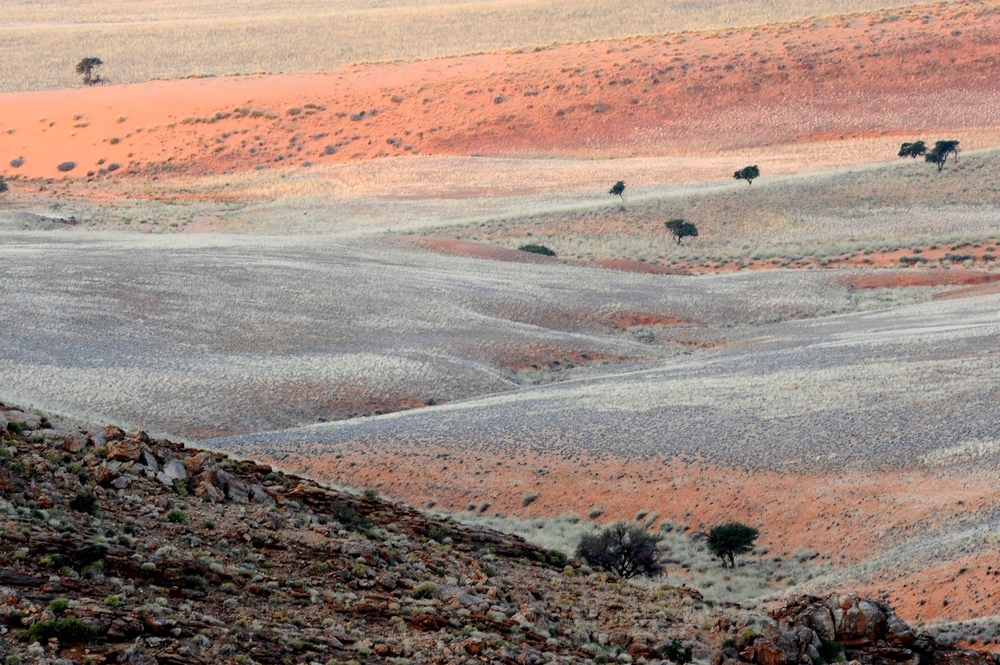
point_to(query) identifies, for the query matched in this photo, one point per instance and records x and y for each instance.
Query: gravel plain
(197, 336)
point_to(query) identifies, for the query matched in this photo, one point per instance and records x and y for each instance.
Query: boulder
(73, 443)
(124, 450)
(112, 433)
(174, 470)
(201, 462)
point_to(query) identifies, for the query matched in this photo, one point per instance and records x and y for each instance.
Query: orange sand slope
(854, 76)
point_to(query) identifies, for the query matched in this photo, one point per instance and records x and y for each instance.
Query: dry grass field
(841, 90)
(139, 40)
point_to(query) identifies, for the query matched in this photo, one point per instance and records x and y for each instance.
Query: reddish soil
(795, 510)
(856, 76)
(494, 252)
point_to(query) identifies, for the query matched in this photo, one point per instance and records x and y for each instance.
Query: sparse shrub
(68, 630)
(84, 502)
(729, 540)
(349, 517)
(437, 532)
(89, 554)
(678, 652)
(425, 591)
(176, 516)
(831, 652)
(529, 498)
(370, 494)
(3, 185)
(113, 601)
(329, 150)
(17, 162)
(595, 513)
(66, 167)
(113, 167)
(16, 428)
(537, 249)
(622, 548)
(59, 605)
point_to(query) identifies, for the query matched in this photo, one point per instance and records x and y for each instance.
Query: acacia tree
(726, 541)
(681, 229)
(618, 189)
(86, 67)
(747, 173)
(913, 150)
(940, 152)
(622, 548)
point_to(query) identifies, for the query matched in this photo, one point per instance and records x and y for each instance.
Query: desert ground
(320, 269)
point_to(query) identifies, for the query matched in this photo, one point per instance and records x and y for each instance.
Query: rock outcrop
(861, 631)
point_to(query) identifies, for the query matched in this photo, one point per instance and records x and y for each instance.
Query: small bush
(58, 606)
(113, 601)
(17, 162)
(349, 517)
(175, 516)
(529, 498)
(831, 652)
(113, 167)
(89, 554)
(329, 150)
(425, 591)
(16, 428)
(622, 548)
(66, 166)
(537, 249)
(84, 502)
(678, 652)
(69, 630)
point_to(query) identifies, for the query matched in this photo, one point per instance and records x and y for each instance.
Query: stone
(73, 443)
(201, 462)
(104, 474)
(124, 450)
(112, 433)
(174, 470)
(259, 495)
(121, 482)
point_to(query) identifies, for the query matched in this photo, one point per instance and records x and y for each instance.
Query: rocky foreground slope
(118, 548)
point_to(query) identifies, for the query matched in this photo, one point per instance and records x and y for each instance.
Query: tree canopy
(622, 548)
(680, 229)
(913, 150)
(729, 540)
(941, 151)
(748, 173)
(618, 189)
(86, 67)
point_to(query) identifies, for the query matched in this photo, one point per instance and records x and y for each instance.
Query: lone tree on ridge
(622, 548)
(914, 150)
(618, 189)
(86, 67)
(747, 173)
(680, 229)
(939, 154)
(726, 541)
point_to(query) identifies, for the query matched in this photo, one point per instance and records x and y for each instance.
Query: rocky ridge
(116, 547)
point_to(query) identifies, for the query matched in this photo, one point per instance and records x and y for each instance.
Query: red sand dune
(854, 76)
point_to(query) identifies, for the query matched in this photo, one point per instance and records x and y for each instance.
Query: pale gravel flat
(207, 335)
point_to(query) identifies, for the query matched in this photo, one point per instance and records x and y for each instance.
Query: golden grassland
(40, 42)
